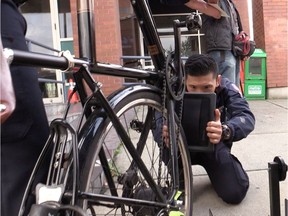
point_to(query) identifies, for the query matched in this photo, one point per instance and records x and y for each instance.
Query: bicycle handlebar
(65, 62)
(26, 58)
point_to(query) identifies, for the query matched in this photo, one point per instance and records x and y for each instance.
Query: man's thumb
(217, 115)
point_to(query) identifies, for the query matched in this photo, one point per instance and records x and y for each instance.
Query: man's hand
(214, 129)
(204, 7)
(246, 58)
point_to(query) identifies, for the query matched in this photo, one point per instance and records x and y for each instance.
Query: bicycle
(106, 166)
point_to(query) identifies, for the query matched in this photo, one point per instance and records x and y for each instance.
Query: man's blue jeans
(228, 65)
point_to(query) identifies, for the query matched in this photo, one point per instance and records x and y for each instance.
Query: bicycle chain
(164, 114)
(179, 114)
(164, 117)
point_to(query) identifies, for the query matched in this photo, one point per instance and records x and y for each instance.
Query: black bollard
(277, 173)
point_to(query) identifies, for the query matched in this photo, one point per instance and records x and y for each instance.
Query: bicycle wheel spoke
(138, 120)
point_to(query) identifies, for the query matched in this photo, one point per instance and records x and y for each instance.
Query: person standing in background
(220, 25)
(25, 132)
(219, 34)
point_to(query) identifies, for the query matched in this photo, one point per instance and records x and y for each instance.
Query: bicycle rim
(136, 113)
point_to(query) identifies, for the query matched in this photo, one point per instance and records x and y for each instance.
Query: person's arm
(204, 7)
(241, 120)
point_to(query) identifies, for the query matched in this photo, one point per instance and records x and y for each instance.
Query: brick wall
(275, 16)
(270, 24)
(258, 24)
(108, 39)
(242, 8)
(270, 33)
(74, 26)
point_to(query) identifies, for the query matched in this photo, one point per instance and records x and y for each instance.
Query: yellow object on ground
(176, 213)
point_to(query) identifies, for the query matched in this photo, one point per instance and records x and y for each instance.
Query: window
(50, 30)
(66, 35)
(190, 41)
(132, 39)
(129, 37)
(65, 25)
(40, 38)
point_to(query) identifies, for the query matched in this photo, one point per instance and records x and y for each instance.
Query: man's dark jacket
(235, 112)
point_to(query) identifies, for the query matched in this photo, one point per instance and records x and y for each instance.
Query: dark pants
(226, 173)
(24, 134)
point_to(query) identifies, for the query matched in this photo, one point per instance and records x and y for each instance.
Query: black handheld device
(198, 110)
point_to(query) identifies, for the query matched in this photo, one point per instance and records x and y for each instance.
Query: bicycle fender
(115, 98)
(97, 119)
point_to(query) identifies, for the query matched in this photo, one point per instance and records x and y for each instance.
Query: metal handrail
(144, 57)
(29, 42)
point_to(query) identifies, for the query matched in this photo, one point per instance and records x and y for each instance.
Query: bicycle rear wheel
(137, 115)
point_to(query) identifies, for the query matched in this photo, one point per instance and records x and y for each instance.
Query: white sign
(255, 90)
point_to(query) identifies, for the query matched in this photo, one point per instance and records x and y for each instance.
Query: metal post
(86, 30)
(286, 207)
(274, 189)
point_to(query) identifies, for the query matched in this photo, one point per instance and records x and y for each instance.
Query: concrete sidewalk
(269, 139)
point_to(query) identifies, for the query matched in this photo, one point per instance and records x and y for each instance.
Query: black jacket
(235, 112)
(218, 32)
(25, 132)
(29, 112)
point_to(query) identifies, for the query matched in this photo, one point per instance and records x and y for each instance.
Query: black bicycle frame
(151, 37)
(87, 61)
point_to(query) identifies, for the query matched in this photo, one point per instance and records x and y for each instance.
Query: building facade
(54, 23)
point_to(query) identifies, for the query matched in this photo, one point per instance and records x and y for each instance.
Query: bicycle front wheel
(108, 154)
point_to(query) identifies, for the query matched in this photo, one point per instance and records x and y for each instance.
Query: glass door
(64, 17)
(43, 36)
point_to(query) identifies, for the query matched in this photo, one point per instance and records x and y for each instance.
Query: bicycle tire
(130, 109)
